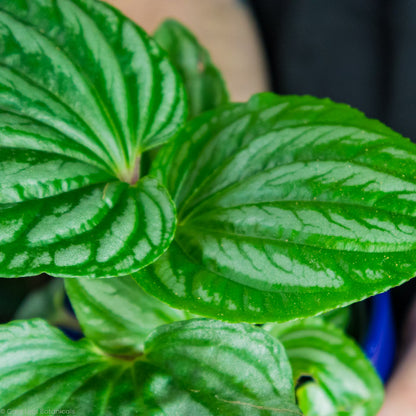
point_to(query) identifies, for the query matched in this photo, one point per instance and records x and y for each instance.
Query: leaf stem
(136, 171)
(132, 176)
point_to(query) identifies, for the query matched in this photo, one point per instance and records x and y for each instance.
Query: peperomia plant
(263, 212)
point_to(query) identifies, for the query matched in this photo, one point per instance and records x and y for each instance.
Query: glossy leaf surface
(117, 314)
(343, 380)
(203, 81)
(287, 207)
(198, 367)
(83, 93)
(98, 231)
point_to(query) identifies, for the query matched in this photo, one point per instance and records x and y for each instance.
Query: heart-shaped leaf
(287, 206)
(83, 93)
(198, 367)
(203, 81)
(343, 382)
(117, 314)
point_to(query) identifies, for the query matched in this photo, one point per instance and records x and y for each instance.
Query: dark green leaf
(191, 368)
(83, 93)
(343, 380)
(287, 206)
(117, 314)
(203, 81)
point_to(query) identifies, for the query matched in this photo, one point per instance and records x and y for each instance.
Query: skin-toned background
(224, 27)
(227, 29)
(401, 390)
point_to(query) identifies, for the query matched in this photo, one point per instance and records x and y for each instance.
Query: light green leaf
(316, 401)
(117, 314)
(83, 93)
(199, 367)
(287, 206)
(46, 302)
(203, 81)
(340, 317)
(343, 380)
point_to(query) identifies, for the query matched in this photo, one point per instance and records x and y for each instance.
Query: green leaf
(101, 231)
(83, 93)
(203, 81)
(46, 302)
(198, 367)
(117, 314)
(238, 364)
(343, 380)
(287, 206)
(340, 317)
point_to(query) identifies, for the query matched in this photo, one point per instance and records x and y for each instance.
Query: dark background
(360, 52)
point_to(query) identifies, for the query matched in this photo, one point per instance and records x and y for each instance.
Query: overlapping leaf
(97, 231)
(117, 314)
(83, 93)
(340, 317)
(287, 206)
(197, 367)
(203, 81)
(343, 382)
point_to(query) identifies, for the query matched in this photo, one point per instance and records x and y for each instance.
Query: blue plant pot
(70, 333)
(380, 342)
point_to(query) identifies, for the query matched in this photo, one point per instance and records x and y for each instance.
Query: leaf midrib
(205, 201)
(94, 92)
(224, 164)
(97, 141)
(305, 202)
(205, 230)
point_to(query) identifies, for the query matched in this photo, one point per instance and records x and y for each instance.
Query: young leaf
(198, 367)
(287, 207)
(116, 314)
(203, 81)
(84, 92)
(343, 380)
